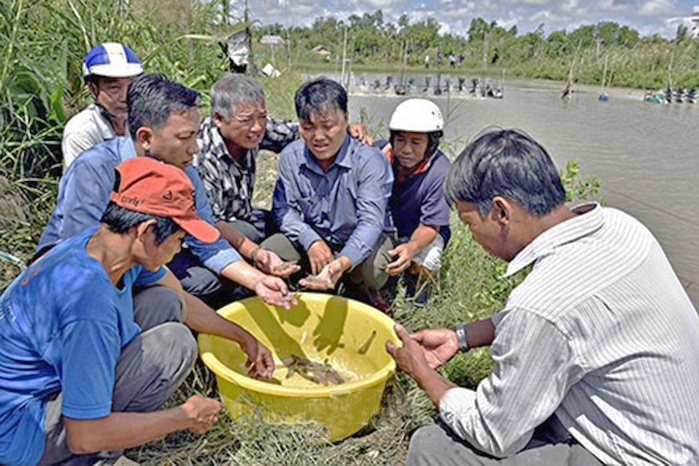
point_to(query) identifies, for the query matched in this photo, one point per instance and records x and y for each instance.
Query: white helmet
(417, 115)
(112, 60)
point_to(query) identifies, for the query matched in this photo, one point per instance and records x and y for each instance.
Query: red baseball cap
(151, 187)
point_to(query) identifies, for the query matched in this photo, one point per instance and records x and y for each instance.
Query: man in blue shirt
(418, 203)
(163, 122)
(331, 196)
(77, 374)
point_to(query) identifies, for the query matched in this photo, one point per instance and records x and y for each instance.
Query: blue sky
(646, 16)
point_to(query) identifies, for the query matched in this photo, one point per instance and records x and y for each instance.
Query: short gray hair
(232, 89)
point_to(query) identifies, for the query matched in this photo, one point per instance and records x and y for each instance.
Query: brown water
(644, 154)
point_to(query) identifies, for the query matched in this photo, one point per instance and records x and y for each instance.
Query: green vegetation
(651, 62)
(42, 45)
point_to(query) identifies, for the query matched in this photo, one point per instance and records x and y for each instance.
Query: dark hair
(507, 163)
(433, 139)
(152, 98)
(119, 220)
(318, 96)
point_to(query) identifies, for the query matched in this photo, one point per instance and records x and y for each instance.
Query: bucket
(329, 331)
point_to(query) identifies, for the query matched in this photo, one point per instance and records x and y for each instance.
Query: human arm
(404, 253)
(328, 276)
(130, 429)
(533, 372)
(279, 134)
(201, 318)
(267, 261)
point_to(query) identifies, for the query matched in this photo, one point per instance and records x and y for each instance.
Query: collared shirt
(229, 184)
(346, 206)
(601, 334)
(83, 195)
(85, 129)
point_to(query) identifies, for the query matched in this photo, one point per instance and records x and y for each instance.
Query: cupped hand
(326, 279)
(410, 357)
(273, 291)
(439, 345)
(319, 255)
(271, 264)
(405, 254)
(201, 413)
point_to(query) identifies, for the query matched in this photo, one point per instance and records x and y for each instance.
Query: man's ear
(502, 210)
(144, 136)
(145, 228)
(92, 87)
(217, 119)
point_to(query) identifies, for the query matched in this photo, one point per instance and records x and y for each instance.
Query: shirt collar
(589, 219)
(341, 159)
(217, 145)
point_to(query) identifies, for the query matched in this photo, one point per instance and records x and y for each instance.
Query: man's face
(246, 127)
(156, 255)
(486, 231)
(409, 148)
(325, 132)
(176, 142)
(111, 95)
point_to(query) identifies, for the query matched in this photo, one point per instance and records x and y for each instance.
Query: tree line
(632, 60)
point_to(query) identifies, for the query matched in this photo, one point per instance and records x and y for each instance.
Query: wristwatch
(461, 341)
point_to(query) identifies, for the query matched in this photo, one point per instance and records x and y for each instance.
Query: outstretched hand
(404, 254)
(271, 264)
(273, 291)
(410, 357)
(326, 279)
(439, 345)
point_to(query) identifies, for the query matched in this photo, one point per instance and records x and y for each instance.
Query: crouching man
(595, 351)
(77, 375)
(331, 197)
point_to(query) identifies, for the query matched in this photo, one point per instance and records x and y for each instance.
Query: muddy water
(644, 154)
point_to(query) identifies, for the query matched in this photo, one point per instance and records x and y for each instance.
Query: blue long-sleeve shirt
(83, 195)
(346, 206)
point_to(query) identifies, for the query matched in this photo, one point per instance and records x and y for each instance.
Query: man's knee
(157, 304)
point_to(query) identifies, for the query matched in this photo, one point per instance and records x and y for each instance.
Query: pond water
(644, 154)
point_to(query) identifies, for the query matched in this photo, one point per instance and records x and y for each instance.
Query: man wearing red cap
(77, 374)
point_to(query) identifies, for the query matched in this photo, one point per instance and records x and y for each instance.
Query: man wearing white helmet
(418, 204)
(107, 69)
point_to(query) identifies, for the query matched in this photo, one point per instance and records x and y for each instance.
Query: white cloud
(657, 7)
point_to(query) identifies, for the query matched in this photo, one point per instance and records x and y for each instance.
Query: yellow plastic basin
(346, 334)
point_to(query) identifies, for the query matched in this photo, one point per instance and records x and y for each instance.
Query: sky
(646, 16)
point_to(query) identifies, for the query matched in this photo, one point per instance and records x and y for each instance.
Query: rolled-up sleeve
(375, 181)
(219, 254)
(528, 383)
(285, 205)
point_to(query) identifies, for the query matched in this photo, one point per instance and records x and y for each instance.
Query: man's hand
(358, 131)
(260, 359)
(201, 413)
(271, 264)
(327, 278)
(273, 291)
(405, 253)
(319, 255)
(438, 345)
(411, 357)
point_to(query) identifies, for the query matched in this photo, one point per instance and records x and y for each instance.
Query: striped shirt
(601, 334)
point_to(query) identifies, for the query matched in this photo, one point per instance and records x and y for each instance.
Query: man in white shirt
(596, 352)
(108, 70)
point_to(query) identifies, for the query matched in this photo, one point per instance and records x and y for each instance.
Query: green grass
(42, 44)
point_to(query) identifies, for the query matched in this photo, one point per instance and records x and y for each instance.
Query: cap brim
(199, 229)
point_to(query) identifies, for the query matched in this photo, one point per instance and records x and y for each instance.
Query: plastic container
(348, 335)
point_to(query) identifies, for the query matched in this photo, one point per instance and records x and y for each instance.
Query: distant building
(322, 51)
(271, 40)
